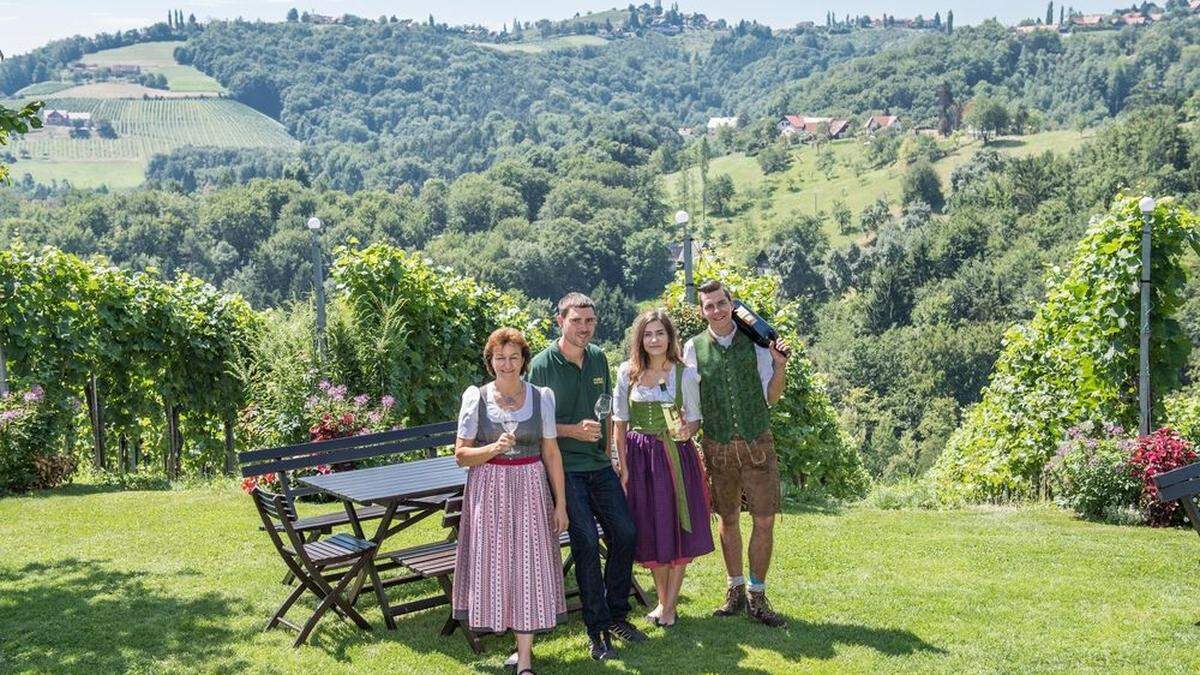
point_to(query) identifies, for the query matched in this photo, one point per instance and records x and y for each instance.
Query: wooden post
(169, 411)
(3, 373)
(178, 443)
(93, 403)
(123, 453)
(230, 460)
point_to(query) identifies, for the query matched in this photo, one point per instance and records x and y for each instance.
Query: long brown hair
(639, 359)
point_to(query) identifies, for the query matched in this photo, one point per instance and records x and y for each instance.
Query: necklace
(507, 401)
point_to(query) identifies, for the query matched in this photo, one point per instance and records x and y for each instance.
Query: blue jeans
(597, 496)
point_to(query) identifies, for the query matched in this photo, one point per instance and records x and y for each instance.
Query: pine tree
(949, 22)
(1050, 12)
(171, 19)
(1061, 15)
(937, 20)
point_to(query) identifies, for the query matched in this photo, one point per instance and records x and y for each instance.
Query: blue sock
(756, 585)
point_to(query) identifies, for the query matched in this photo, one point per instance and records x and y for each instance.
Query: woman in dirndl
(656, 411)
(508, 571)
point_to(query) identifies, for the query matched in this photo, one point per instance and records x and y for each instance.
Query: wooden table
(406, 484)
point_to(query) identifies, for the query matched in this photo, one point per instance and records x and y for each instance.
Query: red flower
(248, 484)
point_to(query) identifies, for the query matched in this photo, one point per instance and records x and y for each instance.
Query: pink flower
(338, 393)
(387, 401)
(361, 400)
(312, 402)
(324, 385)
(35, 394)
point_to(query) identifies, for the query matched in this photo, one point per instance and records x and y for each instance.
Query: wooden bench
(1181, 484)
(284, 460)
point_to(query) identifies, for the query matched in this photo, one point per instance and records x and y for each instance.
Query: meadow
(764, 202)
(94, 579)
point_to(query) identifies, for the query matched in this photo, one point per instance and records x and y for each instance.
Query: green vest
(731, 395)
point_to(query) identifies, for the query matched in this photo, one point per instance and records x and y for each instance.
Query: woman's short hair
(500, 338)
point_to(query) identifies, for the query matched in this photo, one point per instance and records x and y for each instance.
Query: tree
(988, 117)
(104, 129)
(292, 15)
(774, 158)
(476, 203)
(842, 216)
(921, 184)
(720, 195)
(949, 22)
(874, 215)
(1050, 12)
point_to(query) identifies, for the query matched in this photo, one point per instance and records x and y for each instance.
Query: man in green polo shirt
(577, 371)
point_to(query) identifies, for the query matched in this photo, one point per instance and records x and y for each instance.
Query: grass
(537, 46)
(143, 127)
(768, 200)
(171, 581)
(44, 88)
(157, 57)
(117, 174)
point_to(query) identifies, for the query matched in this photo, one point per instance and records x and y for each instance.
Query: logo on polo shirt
(598, 381)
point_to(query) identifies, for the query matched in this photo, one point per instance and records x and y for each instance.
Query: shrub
(1077, 357)
(27, 427)
(1157, 453)
(1090, 475)
(906, 494)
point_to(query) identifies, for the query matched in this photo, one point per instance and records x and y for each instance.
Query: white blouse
(641, 393)
(468, 414)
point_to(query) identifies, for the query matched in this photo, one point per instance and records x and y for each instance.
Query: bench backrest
(1182, 484)
(283, 460)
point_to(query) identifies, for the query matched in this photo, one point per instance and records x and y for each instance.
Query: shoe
(626, 631)
(512, 661)
(760, 610)
(527, 670)
(601, 648)
(735, 601)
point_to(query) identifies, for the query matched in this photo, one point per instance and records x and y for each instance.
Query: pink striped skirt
(508, 570)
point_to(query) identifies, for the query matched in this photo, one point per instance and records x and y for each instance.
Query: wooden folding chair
(307, 559)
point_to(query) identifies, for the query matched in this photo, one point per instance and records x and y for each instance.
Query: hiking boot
(626, 631)
(601, 648)
(760, 610)
(735, 601)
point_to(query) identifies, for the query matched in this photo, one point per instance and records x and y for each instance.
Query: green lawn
(767, 201)
(116, 174)
(157, 57)
(538, 45)
(172, 581)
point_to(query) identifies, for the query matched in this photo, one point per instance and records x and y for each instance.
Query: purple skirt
(651, 495)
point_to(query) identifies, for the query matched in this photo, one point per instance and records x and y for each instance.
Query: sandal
(527, 670)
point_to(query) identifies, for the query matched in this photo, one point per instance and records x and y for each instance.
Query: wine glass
(603, 407)
(508, 422)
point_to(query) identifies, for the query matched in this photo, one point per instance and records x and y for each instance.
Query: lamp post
(689, 284)
(314, 228)
(1146, 205)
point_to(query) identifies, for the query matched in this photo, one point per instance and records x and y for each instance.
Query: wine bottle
(754, 326)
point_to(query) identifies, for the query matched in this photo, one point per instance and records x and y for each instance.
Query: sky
(25, 25)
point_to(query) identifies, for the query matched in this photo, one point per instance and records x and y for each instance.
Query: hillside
(763, 202)
(156, 58)
(431, 102)
(143, 127)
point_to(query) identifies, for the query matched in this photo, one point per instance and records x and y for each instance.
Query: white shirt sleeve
(549, 426)
(468, 414)
(689, 354)
(766, 367)
(691, 395)
(620, 395)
